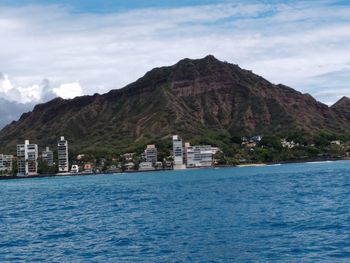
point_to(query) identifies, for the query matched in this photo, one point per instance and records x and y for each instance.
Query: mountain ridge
(342, 106)
(192, 97)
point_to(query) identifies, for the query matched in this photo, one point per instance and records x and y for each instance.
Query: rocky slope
(342, 107)
(190, 98)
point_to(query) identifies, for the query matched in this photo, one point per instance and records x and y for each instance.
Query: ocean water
(286, 213)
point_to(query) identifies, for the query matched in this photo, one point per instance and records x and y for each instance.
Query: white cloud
(5, 84)
(37, 93)
(286, 43)
(69, 90)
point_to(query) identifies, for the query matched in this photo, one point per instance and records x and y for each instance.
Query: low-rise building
(250, 145)
(146, 166)
(129, 166)
(198, 156)
(75, 168)
(158, 165)
(256, 138)
(337, 142)
(47, 156)
(251, 140)
(288, 144)
(128, 156)
(168, 164)
(88, 168)
(114, 169)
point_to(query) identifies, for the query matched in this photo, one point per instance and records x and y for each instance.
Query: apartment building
(47, 156)
(151, 154)
(6, 163)
(27, 159)
(199, 155)
(62, 150)
(178, 153)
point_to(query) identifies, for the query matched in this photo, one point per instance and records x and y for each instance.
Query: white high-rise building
(62, 148)
(27, 159)
(198, 156)
(6, 163)
(178, 153)
(47, 156)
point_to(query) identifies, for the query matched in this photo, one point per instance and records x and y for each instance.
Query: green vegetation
(234, 151)
(205, 101)
(270, 148)
(44, 168)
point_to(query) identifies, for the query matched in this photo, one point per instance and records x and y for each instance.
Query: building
(251, 140)
(6, 163)
(88, 168)
(158, 165)
(198, 156)
(27, 159)
(80, 157)
(146, 166)
(337, 142)
(128, 156)
(114, 169)
(151, 154)
(288, 144)
(47, 156)
(129, 166)
(178, 153)
(215, 150)
(75, 168)
(62, 149)
(256, 138)
(187, 145)
(250, 144)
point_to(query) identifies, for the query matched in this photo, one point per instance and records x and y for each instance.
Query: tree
(271, 142)
(44, 168)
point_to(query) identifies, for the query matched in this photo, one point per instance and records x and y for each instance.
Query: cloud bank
(37, 93)
(303, 44)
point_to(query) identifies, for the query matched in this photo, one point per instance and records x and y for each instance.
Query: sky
(81, 47)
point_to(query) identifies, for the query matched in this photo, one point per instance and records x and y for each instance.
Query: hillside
(342, 107)
(191, 98)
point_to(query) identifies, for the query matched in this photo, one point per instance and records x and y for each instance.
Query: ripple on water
(295, 212)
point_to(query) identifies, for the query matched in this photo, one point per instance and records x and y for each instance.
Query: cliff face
(190, 98)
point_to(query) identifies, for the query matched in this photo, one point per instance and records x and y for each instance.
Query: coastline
(78, 174)
(312, 160)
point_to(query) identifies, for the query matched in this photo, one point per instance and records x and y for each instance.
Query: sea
(278, 213)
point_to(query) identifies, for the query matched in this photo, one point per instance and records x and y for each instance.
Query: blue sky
(108, 6)
(70, 48)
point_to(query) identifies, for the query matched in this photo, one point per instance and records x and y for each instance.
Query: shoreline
(12, 177)
(312, 160)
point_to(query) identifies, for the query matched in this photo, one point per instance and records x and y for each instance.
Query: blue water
(293, 212)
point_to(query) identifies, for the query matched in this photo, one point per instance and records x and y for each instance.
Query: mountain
(191, 98)
(342, 107)
(10, 111)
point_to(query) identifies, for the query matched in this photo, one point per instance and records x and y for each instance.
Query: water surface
(293, 212)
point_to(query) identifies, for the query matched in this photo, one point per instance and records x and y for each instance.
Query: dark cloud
(10, 111)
